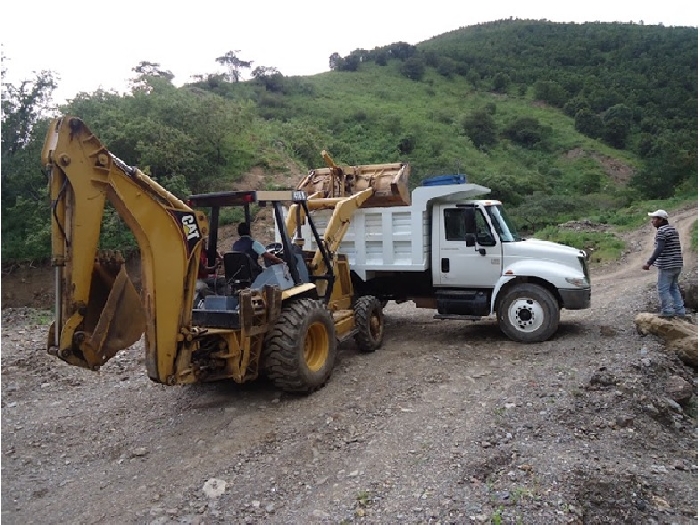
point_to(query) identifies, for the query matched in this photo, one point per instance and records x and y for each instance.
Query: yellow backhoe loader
(285, 322)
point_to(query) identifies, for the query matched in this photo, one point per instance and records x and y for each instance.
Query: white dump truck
(463, 258)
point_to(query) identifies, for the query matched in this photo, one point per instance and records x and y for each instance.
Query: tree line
(505, 100)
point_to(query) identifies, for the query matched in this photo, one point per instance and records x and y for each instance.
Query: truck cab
(478, 246)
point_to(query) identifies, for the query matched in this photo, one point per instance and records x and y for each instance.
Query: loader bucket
(389, 182)
(114, 318)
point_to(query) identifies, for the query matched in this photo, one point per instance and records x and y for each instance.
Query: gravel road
(449, 422)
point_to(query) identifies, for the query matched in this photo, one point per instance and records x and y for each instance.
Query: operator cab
(218, 306)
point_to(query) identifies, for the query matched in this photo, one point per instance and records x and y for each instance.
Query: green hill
(561, 121)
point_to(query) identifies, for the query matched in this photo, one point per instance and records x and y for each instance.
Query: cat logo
(189, 225)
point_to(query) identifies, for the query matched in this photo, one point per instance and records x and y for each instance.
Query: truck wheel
(301, 348)
(369, 321)
(528, 313)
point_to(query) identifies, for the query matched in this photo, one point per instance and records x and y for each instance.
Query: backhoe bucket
(389, 182)
(114, 318)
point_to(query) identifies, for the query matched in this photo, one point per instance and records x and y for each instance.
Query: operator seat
(240, 270)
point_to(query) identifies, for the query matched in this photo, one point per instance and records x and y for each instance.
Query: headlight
(578, 282)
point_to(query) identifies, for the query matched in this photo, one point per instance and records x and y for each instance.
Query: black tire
(369, 321)
(528, 313)
(301, 348)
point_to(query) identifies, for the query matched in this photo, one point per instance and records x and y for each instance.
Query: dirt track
(449, 422)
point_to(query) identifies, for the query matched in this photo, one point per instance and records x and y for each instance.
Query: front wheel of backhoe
(369, 321)
(301, 348)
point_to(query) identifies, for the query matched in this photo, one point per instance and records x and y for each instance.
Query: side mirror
(470, 240)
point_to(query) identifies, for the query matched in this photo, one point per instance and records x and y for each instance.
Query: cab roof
(243, 198)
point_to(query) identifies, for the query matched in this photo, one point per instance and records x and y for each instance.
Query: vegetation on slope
(561, 121)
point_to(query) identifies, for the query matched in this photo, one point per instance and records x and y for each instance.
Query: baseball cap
(658, 213)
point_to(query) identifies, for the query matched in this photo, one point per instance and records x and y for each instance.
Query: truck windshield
(504, 226)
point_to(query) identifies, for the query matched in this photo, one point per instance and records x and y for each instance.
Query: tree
(413, 68)
(152, 69)
(526, 131)
(25, 224)
(550, 92)
(22, 107)
(617, 122)
(576, 104)
(349, 63)
(501, 82)
(588, 123)
(480, 127)
(233, 64)
(269, 77)
(149, 75)
(401, 50)
(662, 174)
(334, 61)
(446, 67)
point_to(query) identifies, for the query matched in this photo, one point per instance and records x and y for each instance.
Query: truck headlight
(578, 282)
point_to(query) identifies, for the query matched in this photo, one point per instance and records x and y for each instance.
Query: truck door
(462, 266)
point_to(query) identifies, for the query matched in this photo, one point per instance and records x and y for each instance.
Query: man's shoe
(685, 317)
(666, 316)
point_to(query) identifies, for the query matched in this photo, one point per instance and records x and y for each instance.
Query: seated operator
(252, 247)
(204, 275)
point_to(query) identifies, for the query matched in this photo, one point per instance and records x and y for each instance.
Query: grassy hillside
(561, 121)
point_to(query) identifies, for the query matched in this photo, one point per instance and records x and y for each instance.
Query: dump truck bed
(395, 238)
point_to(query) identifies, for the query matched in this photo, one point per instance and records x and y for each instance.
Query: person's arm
(271, 257)
(660, 245)
(260, 250)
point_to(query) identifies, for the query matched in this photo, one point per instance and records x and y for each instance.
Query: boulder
(679, 389)
(681, 336)
(689, 290)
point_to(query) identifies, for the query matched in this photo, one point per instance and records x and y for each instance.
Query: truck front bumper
(578, 299)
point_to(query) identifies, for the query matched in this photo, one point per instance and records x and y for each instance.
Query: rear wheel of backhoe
(369, 321)
(300, 350)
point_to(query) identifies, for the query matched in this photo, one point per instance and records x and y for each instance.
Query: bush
(480, 127)
(527, 132)
(413, 68)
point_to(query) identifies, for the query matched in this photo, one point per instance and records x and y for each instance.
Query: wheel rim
(375, 326)
(526, 315)
(316, 346)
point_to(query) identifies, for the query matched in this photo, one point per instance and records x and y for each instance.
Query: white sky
(91, 45)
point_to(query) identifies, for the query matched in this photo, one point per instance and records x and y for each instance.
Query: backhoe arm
(98, 311)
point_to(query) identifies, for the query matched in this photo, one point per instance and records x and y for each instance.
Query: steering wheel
(276, 249)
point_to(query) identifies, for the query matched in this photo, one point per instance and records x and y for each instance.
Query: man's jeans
(669, 292)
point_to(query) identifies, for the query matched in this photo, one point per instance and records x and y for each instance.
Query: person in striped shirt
(668, 258)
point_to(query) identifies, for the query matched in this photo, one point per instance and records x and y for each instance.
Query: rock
(680, 336)
(624, 421)
(689, 290)
(214, 488)
(607, 331)
(140, 451)
(678, 389)
(602, 378)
